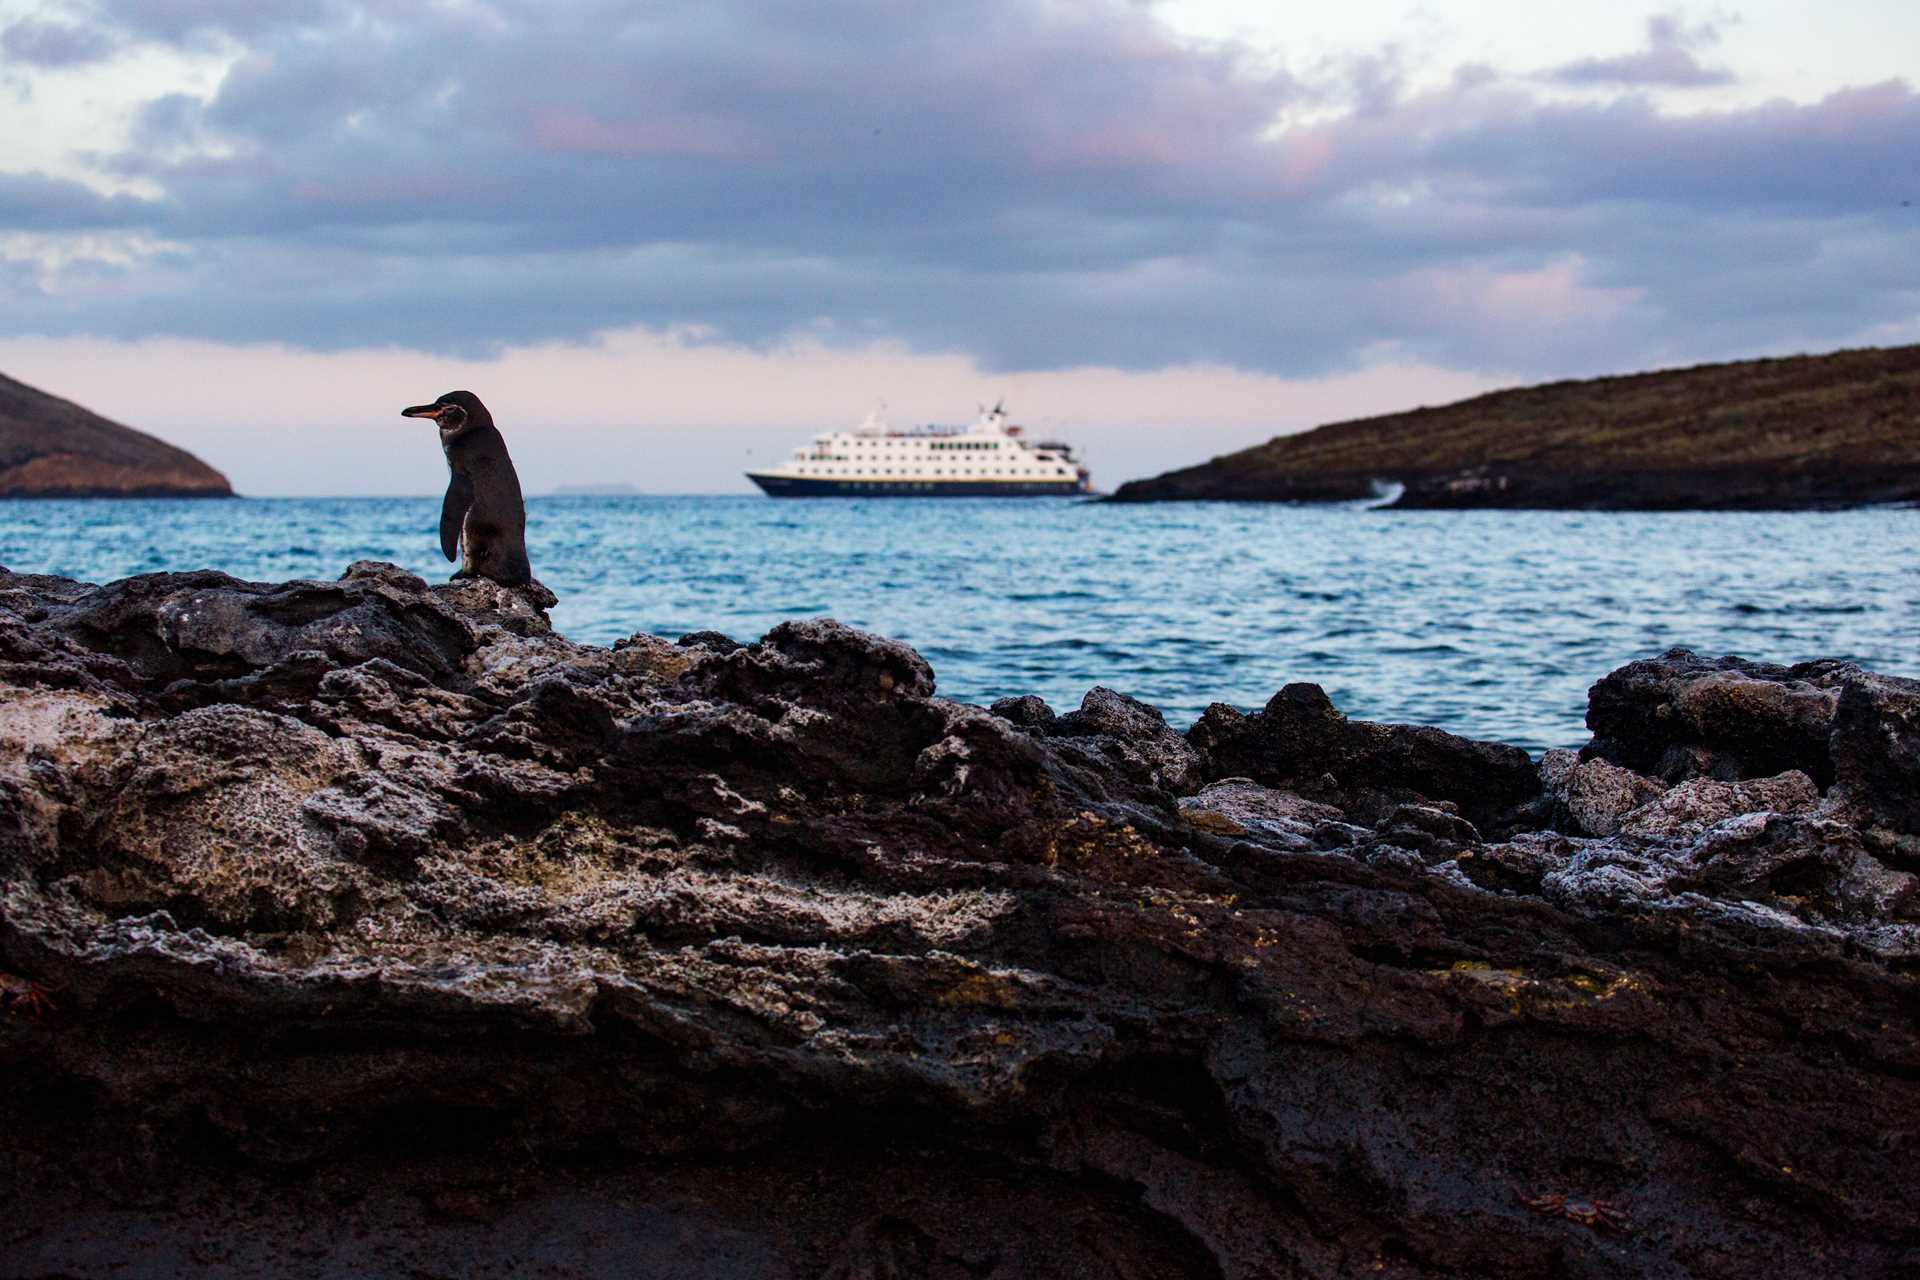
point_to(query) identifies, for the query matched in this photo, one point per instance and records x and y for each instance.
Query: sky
(667, 243)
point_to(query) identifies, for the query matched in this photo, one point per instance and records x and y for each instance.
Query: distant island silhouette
(1780, 434)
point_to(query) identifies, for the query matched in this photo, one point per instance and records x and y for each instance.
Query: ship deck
(820, 487)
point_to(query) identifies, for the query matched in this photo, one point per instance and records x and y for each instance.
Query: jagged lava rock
(1128, 732)
(1241, 806)
(1687, 810)
(1596, 795)
(1875, 747)
(1680, 716)
(387, 932)
(1299, 741)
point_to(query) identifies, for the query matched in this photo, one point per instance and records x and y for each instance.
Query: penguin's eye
(453, 418)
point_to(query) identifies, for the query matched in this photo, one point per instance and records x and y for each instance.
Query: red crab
(22, 994)
(1600, 1215)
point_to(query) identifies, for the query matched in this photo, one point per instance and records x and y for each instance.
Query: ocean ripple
(1491, 624)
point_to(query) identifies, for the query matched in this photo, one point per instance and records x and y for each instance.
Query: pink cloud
(1305, 158)
(1553, 296)
(1845, 110)
(1123, 145)
(581, 134)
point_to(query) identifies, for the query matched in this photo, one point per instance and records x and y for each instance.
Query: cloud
(39, 43)
(185, 21)
(1038, 186)
(36, 202)
(1848, 154)
(1666, 62)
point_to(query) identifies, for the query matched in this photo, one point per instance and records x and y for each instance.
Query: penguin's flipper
(453, 514)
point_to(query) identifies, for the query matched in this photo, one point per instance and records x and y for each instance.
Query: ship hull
(817, 487)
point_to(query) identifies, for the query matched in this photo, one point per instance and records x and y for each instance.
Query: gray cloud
(189, 21)
(1043, 186)
(38, 43)
(1666, 62)
(36, 202)
(1851, 153)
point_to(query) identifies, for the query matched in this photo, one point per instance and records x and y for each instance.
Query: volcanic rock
(1685, 811)
(1241, 806)
(1596, 795)
(1681, 716)
(1131, 734)
(1875, 747)
(372, 928)
(1299, 741)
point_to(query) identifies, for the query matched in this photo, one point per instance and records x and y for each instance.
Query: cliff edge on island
(1798, 432)
(367, 928)
(53, 448)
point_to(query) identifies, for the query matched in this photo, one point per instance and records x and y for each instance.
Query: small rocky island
(1796, 433)
(371, 928)
(53, 448)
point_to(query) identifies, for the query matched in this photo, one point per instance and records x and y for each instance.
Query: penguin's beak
(425, 411)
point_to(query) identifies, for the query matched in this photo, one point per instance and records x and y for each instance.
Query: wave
(1385, 494)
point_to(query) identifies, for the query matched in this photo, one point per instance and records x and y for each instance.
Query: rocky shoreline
(371, 928)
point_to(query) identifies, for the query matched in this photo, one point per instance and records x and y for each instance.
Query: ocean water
(1491, 624)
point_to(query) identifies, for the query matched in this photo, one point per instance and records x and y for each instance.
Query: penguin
(483, 515)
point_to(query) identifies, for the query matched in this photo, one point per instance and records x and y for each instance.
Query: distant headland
(53, 448)
(1793, 433)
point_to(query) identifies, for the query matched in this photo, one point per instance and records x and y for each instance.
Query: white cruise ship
(990, 459)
